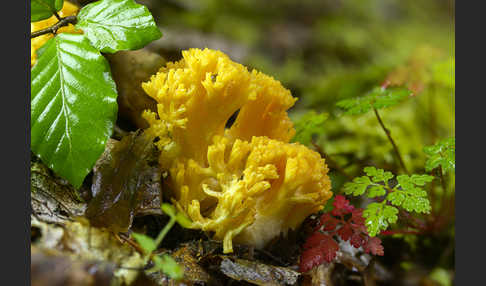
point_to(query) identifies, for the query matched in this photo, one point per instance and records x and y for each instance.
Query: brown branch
(387, 132)
(57, 15)
(53, 29)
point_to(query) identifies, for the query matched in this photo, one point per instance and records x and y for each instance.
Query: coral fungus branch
(245, 183)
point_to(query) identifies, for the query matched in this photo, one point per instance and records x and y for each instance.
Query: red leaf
(345, 232)
(315, 240)
(357, 240)
(357, 217)
(310, 258)
(320, 247)
(324, 219)
(331, 224)
(325, 250)
(341, 206)
(329, 248)
(337, 212)
(374, 246)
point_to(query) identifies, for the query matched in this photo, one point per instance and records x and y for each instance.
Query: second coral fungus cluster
(245, 183)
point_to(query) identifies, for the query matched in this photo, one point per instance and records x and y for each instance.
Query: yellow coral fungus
(245, 183)
(68, 9)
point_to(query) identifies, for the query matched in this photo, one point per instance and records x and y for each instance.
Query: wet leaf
(115, 25)
(442, 154)
(379, 216)
(53, 199)
(43, 9)
(126, 182)
(73, 106)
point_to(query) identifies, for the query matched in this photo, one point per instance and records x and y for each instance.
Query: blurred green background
(325, 51)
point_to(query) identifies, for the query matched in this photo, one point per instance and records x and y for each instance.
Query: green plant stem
(395, 147)
(53, 29)
(447, 207)
(165, 230)
(161, 236)
(444, 187)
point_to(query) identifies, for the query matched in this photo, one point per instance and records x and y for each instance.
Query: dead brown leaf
(126, 182)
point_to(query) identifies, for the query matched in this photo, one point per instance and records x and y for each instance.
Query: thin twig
(387, 132)
(53, 29)
(57, 15)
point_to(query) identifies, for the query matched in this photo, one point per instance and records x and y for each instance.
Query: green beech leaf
(73, 106)
(43, 9)
(115, 25)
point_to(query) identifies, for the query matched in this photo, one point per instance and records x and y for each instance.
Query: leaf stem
(53, 29)
(165, 230)
(388, 134)
(161, 236)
